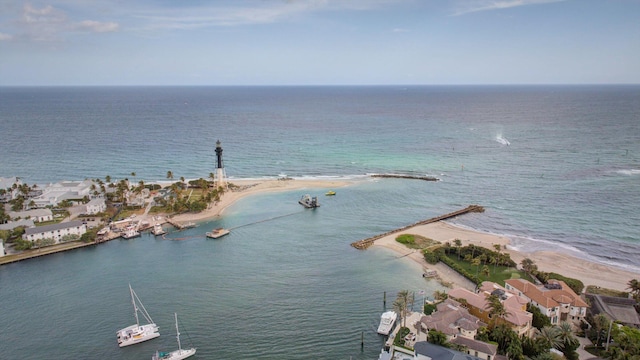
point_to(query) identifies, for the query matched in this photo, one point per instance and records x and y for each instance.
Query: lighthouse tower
(220, 176)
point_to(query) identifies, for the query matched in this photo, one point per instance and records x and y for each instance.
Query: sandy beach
(252, 187)
(590, 273)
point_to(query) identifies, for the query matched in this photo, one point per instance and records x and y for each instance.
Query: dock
(181, 226)
(365, 243)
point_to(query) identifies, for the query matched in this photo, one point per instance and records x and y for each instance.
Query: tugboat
(309, 202)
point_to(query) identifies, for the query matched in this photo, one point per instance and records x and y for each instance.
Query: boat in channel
(158, 230)
(137, 333)
(176, 354)
(309, 202)
(387, 320)
(216, 233)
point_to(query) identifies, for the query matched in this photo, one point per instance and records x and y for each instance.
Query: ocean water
(556, 167)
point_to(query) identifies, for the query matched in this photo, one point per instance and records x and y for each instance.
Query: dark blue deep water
(556, 168)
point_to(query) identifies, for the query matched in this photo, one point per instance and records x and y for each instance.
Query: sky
(318, 42)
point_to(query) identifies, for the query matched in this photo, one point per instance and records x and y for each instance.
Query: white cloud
(487, 5)
(5, 37)
(97, 26)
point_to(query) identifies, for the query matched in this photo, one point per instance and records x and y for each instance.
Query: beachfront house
(618, 309)
(37, 215)
(555, 299)
(65, 190)
(518, 318)
(57, 232)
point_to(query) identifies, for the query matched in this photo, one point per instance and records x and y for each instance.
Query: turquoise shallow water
(555, 167)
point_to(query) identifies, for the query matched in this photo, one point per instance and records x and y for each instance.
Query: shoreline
(589, 272)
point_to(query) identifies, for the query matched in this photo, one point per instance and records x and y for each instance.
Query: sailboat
(137, 333)
(176, 354)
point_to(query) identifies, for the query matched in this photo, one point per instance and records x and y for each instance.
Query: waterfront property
(617, 309)
(95, 206)
(517, 317)
(57, 232)
(453, 320)
(65, 190)
(555, 299)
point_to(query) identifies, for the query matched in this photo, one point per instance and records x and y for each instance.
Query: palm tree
(634, 286)
(170, 175)
(485, 271)
(528, 266)
(566, 337)
(403, 300)
(107, 179)
(476, 262)
(548, 336)
(458, 244)
(600, 323)
(496, 309)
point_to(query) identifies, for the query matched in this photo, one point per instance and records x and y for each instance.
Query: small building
(476, 348)
(55, 231)
(555, 299)
(95, 206)
(37, 215)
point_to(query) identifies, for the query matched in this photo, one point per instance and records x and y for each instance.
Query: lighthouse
(220, 176)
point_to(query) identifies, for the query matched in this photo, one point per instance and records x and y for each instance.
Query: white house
(65, 190)
(37, 215)
(2, 248)
(55, 231)
(95, 206)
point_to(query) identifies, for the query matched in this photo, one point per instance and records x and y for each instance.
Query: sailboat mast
(135, 307)
(178, 333)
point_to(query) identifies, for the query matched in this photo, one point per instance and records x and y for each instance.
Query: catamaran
(176, 354)
(137, 333)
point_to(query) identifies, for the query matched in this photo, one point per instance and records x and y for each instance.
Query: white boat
(216, 233)
(137, 333)
(158, 230)
(130, 232)
(309, 202)
(386, 322)
(176, 354)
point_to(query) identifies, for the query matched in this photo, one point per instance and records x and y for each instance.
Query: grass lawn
(498, 274)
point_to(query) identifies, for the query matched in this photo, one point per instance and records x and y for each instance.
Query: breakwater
(413, 177)
(365, 243)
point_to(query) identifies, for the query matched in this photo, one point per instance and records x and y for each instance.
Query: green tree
(401, 305)
(458, 244)
(539, 319)
(548, 336)
(569, 343)
(496, 309)
(437, 337)
(170, 175)
(528, 266)
(634, 286)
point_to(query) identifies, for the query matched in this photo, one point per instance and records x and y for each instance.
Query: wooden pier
(364, 244)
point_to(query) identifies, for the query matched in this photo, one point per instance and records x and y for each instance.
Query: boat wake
(502, 140)
(629, 172)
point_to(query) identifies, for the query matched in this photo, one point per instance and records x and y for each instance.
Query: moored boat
(216, 233)
(386, 322)
(158, 230)
(309, 202)
(176, 354)
(137, 333)
(130, 232)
